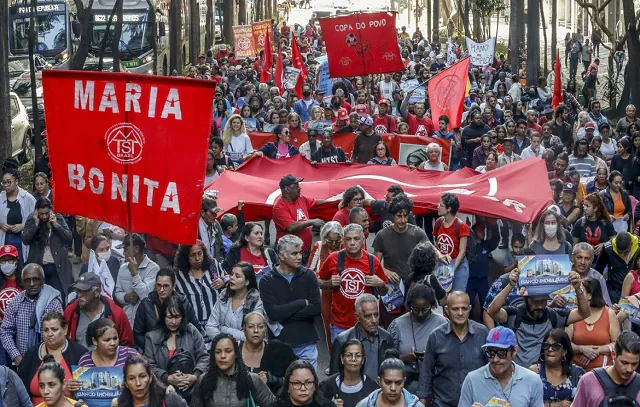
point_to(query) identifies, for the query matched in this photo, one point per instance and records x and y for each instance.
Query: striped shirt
(586, 166)
(123, 354)
(200, 292)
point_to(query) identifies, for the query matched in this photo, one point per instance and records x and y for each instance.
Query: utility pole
(5, 118)
(32, 72)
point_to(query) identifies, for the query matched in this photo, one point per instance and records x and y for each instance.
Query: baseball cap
(361, 110)
(500, 337)
(87, 281)
(384, 102)
(571, 187)
(603, 125)
(590, 125)
(8, 250)
(366, 120)
(289, 180)
(342, 114)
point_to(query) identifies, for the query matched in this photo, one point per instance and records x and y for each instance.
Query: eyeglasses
(334, 242)
(286, 132)
(553, 346)
(491, 353)
(8, 182)
(298, 385)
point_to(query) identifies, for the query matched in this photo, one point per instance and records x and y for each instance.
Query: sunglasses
(501, 353)
(553, 346)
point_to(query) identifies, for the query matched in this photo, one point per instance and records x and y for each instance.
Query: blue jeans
(461, 276)
(335, 331)
(308, 352)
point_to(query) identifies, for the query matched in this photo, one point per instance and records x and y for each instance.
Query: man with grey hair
(375, 339)
(291, 299)
(348, 273)
(22, 324)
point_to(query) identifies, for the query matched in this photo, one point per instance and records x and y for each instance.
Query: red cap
(8, 250)
(590, 125)
(342, 114)
(362, 109)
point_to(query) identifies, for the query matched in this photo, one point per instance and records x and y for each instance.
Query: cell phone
(419, 355)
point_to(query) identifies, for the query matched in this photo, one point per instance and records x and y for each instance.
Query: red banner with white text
(362, 44)
(128, 149)
(405, 149)
(502, 193)
(260, 31)
(243, 41)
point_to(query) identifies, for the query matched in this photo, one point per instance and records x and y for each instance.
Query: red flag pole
(557, 82)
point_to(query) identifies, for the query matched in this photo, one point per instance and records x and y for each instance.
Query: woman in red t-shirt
(331, 236)
(451, 235)
(250, 248)
(352, 197)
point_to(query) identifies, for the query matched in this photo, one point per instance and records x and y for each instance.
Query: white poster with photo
(481, 53)
(291, 76)
(413, 154)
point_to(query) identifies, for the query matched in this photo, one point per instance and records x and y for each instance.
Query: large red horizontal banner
(110, 137)
(501, 193)
(405, 149)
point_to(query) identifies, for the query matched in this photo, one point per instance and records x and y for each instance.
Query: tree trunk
(533, 42)
(633, 44)
(117, 34)
(194, 31)
(242, 13)
(175, 37)
(210, 37)
(544, 32)
(5, 113)
(514, 35)
(554, 29)
(465, 19)
(228, 13)
(428, 9)
(435, 36)
(84, 18)
(477, 28)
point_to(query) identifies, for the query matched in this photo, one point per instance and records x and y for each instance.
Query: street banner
(130, 150)
(260, 31)
(243, 42)
(447, 90)
(543, 274)
(99, 385)
(504, 193)
(481, 53)
(362, 44)
(405, 149)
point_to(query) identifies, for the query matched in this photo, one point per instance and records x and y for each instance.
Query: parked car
(91, 64)
(20, 130)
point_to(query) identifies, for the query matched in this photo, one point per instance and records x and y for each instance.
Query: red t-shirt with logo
(447, 242)
(8, 292)
(256, 261)
(420, 127)
(387, 124)
(343, 298)
(285, 213)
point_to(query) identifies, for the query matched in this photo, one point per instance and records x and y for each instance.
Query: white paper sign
(481, 53)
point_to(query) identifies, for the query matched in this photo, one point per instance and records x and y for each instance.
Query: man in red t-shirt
(352, 280)
(383, 122)
(291, 213)
(451, 236)
(419, 124)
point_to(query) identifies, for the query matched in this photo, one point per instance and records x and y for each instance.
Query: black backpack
(471, 254)
(341, 258)
(615, 395)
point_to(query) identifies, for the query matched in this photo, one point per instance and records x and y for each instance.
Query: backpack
(471, 254)
(521, 313)
(615, 395)
(341, 259)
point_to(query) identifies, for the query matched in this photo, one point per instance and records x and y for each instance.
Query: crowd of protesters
(231, 319)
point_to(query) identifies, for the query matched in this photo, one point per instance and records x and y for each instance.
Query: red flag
(267, 60)
(557, 82)
(297, 62)
(110, 170)
(362, 44)
(279, 73)
(446, 92)
(502, 193)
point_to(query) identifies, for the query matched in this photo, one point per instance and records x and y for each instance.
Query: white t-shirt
(238, 147)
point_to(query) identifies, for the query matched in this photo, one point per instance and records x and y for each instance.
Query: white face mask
(105, 255)
(8, 268)
(550, 230)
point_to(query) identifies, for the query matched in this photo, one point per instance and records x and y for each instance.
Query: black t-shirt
(593, 232)
(14, 217)
(379, 208)
(336, 155)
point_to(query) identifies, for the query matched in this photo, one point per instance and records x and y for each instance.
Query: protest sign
(419, 91)
(112, 170)
(569, 294)
(481, 53)
(543, 274)
(244, 42)
(319, 125)
(99, 385)
(444, 273)
(630, 306)
(323, 81)
(260, 31)
(362, 44)
(291, 76)
(394, 298)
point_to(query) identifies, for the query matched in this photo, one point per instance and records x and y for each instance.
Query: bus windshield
(136, 37)
(52, 34)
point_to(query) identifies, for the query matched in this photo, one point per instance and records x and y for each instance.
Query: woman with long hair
(382, 155)
(392, 379)
(172, 344)
(51, 383)
(599, 183)
(240, 297)
(592, 339)
(621, 162)
(281, 147)
(42, 186)
(569, 209)
(293, 123)
(300, 388)
(617, 202)
(351, 198)
(142, 388)
(227, 382)
(108, 352)
(250, 248)
(236, 140)
(222, 114)
(559, 375)
(595, 226)
(549, 237)
(350, 384)
(198, 276)
(17, 208)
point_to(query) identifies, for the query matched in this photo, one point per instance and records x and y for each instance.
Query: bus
(137, 38)
(54, 32)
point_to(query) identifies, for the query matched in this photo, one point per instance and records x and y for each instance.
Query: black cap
(289, 180)
(603, 125)
(507, 140)
(87, 281)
